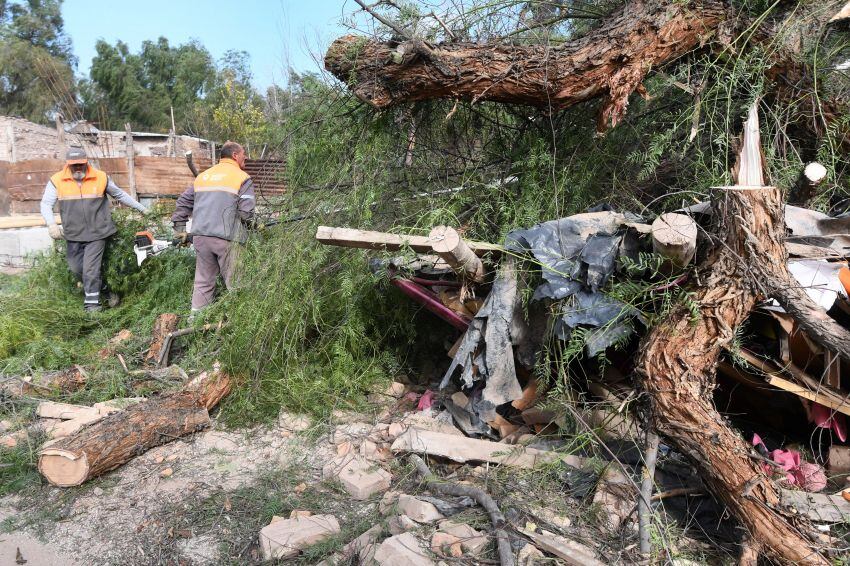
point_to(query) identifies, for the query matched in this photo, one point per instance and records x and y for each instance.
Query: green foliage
(36, 64)
(42, 322)
(141, 88)
(18, 470)
(239, 116)
(306, 329)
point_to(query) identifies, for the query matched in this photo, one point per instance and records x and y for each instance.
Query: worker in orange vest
(82, 191)
(221, 202)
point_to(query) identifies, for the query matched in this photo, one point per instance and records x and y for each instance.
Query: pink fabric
(825, 417)
(806, 475)
(426, 400)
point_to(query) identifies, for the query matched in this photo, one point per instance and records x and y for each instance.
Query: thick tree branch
(611, 62)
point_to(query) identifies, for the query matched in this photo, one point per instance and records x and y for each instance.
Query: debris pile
(572, 299)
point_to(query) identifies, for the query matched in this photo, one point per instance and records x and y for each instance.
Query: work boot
(93, 308)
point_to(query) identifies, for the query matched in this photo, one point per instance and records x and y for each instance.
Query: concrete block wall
(19, 246)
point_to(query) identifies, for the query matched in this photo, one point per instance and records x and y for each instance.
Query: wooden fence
(22, 183)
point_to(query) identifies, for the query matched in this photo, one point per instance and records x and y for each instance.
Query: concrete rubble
(402, 550)
(286, 538)
(418, 510)
(360, 477)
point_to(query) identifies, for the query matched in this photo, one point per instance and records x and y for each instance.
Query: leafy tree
(36, 61)
(142, 88)
(238, 116)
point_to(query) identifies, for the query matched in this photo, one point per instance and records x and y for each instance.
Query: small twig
(506, 555)
(390, 24)
(123, 363)
(678, 492)
(647, 483)
(443, 25)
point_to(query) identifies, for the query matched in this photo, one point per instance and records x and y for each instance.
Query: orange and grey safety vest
(85, 209)
(219, 192)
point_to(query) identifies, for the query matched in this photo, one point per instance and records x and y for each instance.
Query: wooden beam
(806, 393)
(27, 221)
(365, 239)
(807, 382)
(131, 161)
(462, 449)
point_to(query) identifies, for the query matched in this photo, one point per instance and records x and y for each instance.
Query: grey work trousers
(213, 256)
(84, 261)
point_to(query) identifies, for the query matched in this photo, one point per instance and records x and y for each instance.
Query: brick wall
(21, 140)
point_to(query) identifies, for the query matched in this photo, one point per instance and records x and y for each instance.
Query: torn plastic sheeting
(819, 279)
(574, 251)
(610, 318)
(486, 351)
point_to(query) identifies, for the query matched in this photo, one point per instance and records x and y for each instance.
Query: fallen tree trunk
(679, 358)
(610, 61)
(119, 437)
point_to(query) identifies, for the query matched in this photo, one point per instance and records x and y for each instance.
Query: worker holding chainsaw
(82, 191)
(221, 203)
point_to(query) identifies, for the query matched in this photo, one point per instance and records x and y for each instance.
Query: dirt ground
(128, 516)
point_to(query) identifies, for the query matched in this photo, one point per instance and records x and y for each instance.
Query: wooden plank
(807, 382)
(804, 392)
(462, 449)
(64, 411)
(131, 161)
(570, 551)
(365, 239)
(27, 221)
(818, 507)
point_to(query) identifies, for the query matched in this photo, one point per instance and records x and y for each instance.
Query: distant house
(22, 140)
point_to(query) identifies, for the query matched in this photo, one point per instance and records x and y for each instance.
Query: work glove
(148, 212)
(56, 232)
(181, 237)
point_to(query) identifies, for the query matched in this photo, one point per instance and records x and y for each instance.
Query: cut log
(674, 237)
(679, 357)
(806, 187)
(119, 437)
(365, 239)
(611, 61)
(842, 15)
(461, 449)
(448, 244)
(163, 325)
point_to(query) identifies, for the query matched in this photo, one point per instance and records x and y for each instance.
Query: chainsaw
(145, 245)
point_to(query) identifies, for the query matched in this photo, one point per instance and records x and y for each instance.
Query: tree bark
(121, 436)
(679, 359)
(162, 327)
(610, 61)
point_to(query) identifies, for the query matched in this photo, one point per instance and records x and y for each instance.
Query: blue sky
(276, 33)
